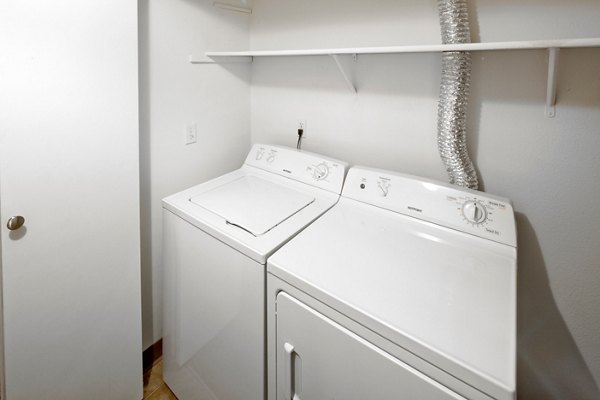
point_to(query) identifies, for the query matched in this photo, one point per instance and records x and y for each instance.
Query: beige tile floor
(154, 386)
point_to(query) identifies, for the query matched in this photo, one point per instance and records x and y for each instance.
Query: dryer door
(320, 359)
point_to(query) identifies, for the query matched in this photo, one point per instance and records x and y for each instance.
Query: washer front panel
(213, 327)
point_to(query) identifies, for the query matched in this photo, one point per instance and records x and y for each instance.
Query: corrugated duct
(454, 94)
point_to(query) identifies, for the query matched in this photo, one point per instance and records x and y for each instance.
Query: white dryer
(216, 240)
(406, 289)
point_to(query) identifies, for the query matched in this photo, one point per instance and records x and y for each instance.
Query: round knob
(474, 212)
(271, 158)
(383, 189)
(260, 154)
(15, 222)
(321, 171)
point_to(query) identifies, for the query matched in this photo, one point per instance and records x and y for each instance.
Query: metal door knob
(15, 222)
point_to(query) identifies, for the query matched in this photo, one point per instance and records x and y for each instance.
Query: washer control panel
(470, 211)
(314, 169)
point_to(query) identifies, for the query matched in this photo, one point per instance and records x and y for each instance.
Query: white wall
(173, 93)
(547, 166)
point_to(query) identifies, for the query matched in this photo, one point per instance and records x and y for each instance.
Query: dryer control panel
(313, 169)
(466, 210)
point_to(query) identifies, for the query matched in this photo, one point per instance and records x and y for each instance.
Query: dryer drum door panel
(320, 359)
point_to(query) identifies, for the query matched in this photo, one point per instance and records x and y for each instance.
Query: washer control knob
(271, 158)
(384, 188)
(320, 172)
(474, 212)
(259, 154)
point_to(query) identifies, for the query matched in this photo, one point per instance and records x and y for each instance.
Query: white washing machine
(406, 289)
(216, 240)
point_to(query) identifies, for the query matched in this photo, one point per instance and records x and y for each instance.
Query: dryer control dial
(320, 171)
(474, 212)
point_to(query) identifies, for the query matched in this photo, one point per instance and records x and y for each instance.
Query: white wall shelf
(345, 67)
(429, 48)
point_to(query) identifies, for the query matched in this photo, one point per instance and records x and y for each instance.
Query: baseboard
(151, 354)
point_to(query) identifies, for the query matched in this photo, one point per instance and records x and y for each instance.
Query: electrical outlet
(301, 124)
(191, 133)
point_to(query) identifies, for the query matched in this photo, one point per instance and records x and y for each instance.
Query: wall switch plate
(191, 133)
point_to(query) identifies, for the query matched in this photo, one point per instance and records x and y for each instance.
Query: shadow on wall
(545, 347)
(145, 173)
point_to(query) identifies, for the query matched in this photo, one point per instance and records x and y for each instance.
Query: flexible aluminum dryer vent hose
(454, 94)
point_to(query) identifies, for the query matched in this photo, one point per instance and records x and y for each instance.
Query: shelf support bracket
(345, 68)
(553, 57)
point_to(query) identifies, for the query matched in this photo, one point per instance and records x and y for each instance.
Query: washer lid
(253, 204)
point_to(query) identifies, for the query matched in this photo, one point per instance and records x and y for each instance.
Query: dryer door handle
(289, 373)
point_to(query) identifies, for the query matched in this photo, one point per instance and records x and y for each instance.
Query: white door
(69, 166)
(319, 359)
